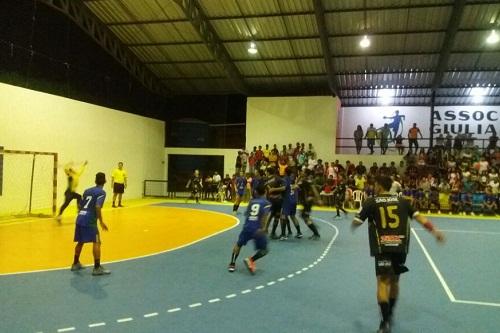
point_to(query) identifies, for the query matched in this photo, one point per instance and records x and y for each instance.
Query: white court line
(259, 287)
(281, 279)
(466, 231)
(97, 325)
(246, 291)
(290, 275)
(195, 305)
(436, 270)
(67, 329)
(271, 283)
(214, 300)
(477, 303)
(149, 315)
(124, 320)
(173, 310)
(231, 296)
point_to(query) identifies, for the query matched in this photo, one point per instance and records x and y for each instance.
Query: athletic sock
(385, 310)
(288, 226)
(234, 257)
(283, 227)
(259, 254)
(76, 259)
(392, 304)
(97, 263)
(297, 226)
(275, 225)
(313, 228)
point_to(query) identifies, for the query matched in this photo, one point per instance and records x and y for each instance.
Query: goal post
(28, 183)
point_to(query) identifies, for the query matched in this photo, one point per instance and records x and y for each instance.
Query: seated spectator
(359, 182)
(266, 151)
(421, 202)
(301, 158)
(273, 157)
(282, 165)
(327, 192)
(392, 169)
(490, 203)
(466, 203)
(360, 168)
(493, 184)
(383, 170)
(434, 199)
(444, 186)
(455, 203)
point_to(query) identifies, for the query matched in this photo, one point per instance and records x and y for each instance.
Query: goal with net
(28, 183)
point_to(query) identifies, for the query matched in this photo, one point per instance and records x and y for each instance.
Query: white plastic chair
(358, 197)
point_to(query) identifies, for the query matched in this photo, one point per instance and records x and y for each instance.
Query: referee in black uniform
(389, 236)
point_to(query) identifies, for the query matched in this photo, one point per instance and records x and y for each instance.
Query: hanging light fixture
(493, 37)
(253, 48)
(365, 42)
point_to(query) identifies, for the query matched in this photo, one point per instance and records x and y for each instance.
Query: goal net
(27, 183)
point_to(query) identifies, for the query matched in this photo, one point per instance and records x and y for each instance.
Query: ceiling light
(478, 94)
(365, 42)
(253, 48)
(493, 38)
(386, 96)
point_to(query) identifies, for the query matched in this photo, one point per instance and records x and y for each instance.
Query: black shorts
(276, 206)
(118, 188)
(390, 264)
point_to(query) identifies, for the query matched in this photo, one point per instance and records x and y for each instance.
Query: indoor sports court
(230, 166)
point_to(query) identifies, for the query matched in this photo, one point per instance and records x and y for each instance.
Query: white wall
(78, 131)
(228, 154)
(283, 120)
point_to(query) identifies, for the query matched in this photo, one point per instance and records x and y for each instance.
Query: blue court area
(301, 286)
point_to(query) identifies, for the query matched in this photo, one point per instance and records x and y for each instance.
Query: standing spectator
(413, 134)
(457, 144)
(227, 186)
(244, 160)
(237, 164)
(301, 158)
(266, 152)
(399, 144)
(492, 143)
(358, 138)
(374, 169)
(259, 156)
(118, 183)
(360, 168)
(349, 168)
(216, 179)
(290, 150)
(273, 157)
(311, 152)
(448, 142)
(251, 162)
(392, 169)
(385, 136)
(371, 135)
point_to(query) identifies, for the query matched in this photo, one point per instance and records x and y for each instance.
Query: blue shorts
(260, 239)
(241, 193)
(289, 208)
(87, 234)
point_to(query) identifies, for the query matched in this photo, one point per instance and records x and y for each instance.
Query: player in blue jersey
(86, 230)
(289, 207)
(257, 179)
(256, 214)
(240, 184)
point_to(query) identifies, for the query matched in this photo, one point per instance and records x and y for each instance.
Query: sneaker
(76, 267)
(384, 327)
(100, 271)
(283, 238)
(231, 268)
(298, 235)
(314, 237)
(249, 263)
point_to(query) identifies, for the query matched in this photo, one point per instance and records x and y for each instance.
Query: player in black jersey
(274, 181)
(339, 198)
(195, 185)
(308, 194)
(389, 236)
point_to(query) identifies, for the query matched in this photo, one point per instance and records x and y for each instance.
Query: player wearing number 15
(86, 230)
(256, 215)
(389, 236)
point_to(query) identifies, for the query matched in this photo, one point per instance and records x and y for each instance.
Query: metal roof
(200, 46)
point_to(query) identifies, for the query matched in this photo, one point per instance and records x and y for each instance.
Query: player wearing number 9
(389, 236)
(255, 217)
(86, 230)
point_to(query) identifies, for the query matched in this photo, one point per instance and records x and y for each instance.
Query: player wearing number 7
(256, 216)
(86, 230)
(389, 236)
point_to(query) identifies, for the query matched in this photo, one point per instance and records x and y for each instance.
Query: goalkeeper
(73, 173)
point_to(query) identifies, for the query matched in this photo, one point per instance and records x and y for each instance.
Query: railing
(348, 146)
